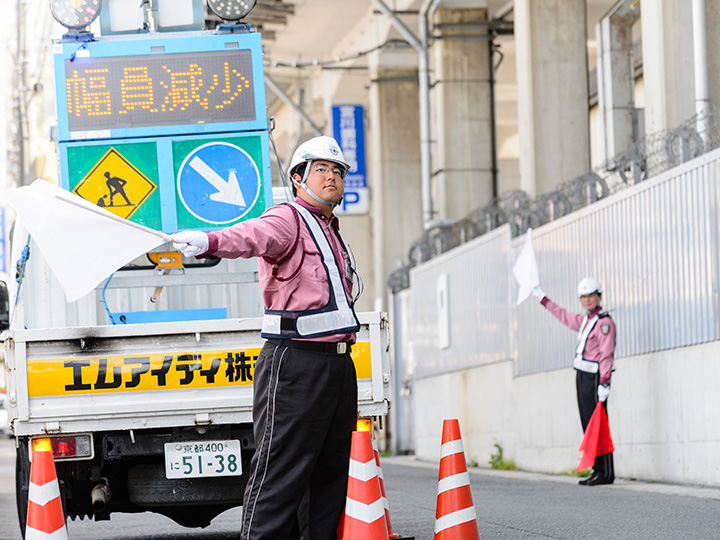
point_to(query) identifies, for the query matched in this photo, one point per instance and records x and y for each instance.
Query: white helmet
(322, 147)
(589, 285)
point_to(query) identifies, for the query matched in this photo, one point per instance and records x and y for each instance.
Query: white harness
(580, 363)
(335, 317)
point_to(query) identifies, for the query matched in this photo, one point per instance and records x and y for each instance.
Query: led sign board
(162, 90)
(169, 130)
(171, 85)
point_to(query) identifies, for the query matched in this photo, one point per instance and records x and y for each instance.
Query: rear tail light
(71, 447)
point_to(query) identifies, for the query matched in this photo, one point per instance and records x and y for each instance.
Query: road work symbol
(116, 185)
(218, 183)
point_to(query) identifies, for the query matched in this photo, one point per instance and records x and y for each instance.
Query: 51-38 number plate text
(194, 459)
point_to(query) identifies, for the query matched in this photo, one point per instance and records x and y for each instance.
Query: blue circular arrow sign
(218, 183)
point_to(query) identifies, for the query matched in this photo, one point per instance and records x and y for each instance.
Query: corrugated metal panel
(479, 315)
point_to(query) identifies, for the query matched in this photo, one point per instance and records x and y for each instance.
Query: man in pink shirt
(593, 361)
(305, 387)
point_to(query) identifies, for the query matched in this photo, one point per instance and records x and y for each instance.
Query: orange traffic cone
(45, 516)
(386, 504)
(364, 517)
(455, 516)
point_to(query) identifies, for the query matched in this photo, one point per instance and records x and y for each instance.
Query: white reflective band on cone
(367, 513)
(454, 481)
(450, 448)
(455, 518)
(34, 534)
(362, 471)
(45, 493)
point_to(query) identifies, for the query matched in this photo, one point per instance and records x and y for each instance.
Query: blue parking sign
(349, 131)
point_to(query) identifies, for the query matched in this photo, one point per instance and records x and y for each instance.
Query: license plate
(195, 459)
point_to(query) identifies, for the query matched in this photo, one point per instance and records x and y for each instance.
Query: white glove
(538, 293)
(191, 243)
(603, 391)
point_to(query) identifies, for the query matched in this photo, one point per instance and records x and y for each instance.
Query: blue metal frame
(171, 315)
(185, 42)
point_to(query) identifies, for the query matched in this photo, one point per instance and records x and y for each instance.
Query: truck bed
(142, 376)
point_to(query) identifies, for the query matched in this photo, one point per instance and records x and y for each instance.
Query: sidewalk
(701, 492)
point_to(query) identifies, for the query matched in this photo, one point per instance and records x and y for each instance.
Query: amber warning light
(364, 424)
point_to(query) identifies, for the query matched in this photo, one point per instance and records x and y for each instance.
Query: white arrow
(227, 192)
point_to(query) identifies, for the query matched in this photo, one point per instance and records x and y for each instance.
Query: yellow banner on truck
(156, 371)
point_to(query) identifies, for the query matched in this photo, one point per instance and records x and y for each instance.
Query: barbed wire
(648, 157)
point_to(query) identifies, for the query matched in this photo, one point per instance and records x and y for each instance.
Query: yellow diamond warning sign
(116, 185)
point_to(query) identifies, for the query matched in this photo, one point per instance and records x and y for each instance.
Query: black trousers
(586, 385)
(304, 413)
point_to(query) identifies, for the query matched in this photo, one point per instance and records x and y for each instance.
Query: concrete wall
(662, 411)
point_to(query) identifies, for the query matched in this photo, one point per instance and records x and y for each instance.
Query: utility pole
(20, 88)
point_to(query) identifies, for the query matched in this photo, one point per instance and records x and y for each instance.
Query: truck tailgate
(158, 374)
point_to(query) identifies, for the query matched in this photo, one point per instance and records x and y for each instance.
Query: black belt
(339, 347)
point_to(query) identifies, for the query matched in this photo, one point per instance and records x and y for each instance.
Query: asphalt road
(509, 506)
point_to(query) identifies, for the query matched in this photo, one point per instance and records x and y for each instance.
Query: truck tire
(22, 483)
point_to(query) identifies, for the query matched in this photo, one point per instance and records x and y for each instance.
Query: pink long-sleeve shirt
(600, 344)
(273, 235)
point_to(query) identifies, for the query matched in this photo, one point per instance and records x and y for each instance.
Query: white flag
(526, 270)
(82, 243)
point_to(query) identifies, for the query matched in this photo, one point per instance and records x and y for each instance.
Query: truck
(144, 385)
(153, 416)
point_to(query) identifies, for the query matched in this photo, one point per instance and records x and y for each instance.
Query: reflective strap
(585, 329)
(324, 322)
(351, 257)
(585, 365)
(271, 324)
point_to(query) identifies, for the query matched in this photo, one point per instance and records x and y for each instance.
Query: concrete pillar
(395, 171)
(461, 114)
(551, 40)
(616, 80)
(712, 22)
(667, 63)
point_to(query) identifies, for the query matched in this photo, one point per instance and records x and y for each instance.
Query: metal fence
(655, 248)
(647, 158)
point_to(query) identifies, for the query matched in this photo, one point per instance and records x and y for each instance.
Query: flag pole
(85, 205)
